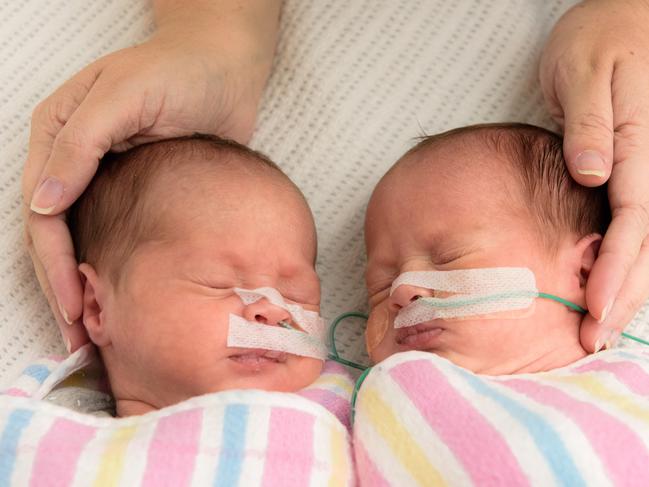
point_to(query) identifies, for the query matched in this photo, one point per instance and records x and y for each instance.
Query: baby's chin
(136, 396)
(489, 355)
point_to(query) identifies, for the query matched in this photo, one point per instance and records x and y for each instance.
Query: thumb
(102, 119)
(587, 109)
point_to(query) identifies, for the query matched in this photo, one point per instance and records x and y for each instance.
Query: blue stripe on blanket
(235, 422)
(38, 372)
(16, 423)
(546, 438)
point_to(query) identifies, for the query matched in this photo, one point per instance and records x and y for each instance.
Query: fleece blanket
(420, 421)
(245, 437)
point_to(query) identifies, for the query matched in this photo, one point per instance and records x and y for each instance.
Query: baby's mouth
(254, 356)
(419, 336)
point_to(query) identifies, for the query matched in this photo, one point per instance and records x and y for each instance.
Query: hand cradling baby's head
(483, 197)
(165, 233)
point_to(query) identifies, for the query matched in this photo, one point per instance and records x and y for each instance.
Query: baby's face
(449, 216)
(168, 318)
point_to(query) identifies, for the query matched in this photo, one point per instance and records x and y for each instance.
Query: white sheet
(354, 81)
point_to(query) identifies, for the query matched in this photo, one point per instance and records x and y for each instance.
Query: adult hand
(203, 71)
(594, 73)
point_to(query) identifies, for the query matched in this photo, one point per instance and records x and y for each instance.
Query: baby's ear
(93, 293)
(587, 249)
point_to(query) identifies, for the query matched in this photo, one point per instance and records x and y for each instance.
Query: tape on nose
(377, 328)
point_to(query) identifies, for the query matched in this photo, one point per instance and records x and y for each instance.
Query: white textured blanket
(354, 81)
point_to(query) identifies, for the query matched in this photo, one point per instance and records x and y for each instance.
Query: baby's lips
(377, 327)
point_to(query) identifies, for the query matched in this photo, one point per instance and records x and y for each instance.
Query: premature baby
(488, 196)
(166, 234)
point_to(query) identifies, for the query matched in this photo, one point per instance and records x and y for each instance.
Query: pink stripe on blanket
(14, 391)
(58, 452)
(173, 449)
(463, 429)
(339, 406)
(289, 457)
(331, 367)
(369, 475)
(620, 449)
(629, 373)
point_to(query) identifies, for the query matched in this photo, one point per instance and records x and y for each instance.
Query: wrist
(239, 36)
(251, 26)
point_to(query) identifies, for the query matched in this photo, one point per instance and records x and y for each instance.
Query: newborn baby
(169, 234)
(489, 196)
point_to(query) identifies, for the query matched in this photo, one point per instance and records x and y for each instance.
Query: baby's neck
(130, 407)
(555, 358)
(131, 399)
(557, 345)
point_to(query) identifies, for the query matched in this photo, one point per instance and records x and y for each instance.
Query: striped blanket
(420, 420)
(243, 437)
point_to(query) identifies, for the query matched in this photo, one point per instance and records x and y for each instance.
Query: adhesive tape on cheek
(377, 327)
(251, 334)
(475, 292)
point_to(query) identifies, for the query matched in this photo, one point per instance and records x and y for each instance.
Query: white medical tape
(252, 334)
(309, 321)
(475, 292)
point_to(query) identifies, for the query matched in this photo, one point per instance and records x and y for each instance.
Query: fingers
(619, 281)
(634, 292)
(72, 330)
(585, 99)
(108, 114)
(48, 119)
(52, 245)
(616, 260)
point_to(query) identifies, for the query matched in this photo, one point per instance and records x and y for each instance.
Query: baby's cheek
(309, 370)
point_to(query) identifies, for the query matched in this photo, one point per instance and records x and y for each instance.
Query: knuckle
(632, 130)
(592, 122)
(71, 140)
(639, 215)
(629, 306)
(39, 110)
(60, 109)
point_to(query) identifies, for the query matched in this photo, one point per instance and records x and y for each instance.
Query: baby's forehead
(463, 155)
(463, 167)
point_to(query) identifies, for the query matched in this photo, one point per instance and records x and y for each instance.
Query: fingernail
(605, 337)
(64, 314)
(68, 345)
(47, 196)
(590, 163)
(605, 312)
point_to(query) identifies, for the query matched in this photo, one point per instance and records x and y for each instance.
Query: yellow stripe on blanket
(598, 389)
(338, 459)
(400, 441)
(332, 380)
(112, 463)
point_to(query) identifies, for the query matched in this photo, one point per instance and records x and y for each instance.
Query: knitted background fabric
(354, 82)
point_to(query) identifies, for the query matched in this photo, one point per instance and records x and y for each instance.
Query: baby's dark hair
(113, 216)
(553, 199)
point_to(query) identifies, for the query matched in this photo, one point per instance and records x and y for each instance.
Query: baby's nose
(265, 312)
(406, 294)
